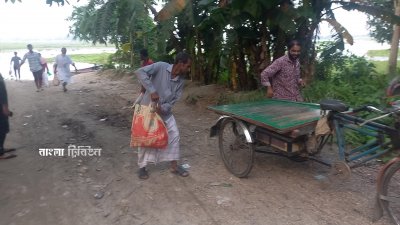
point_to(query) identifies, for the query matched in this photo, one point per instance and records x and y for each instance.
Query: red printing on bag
(148, 131)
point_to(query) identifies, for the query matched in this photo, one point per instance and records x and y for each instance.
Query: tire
(391, 190)
(236, 153)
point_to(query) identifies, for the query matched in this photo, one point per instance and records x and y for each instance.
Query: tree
(232, 40)
(124, 23)
(387, 31)
(394, 47)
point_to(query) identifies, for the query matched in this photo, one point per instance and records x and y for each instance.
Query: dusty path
(105, 190)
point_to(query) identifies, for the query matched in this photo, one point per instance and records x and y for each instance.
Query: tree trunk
(131, 38)
(394, 48)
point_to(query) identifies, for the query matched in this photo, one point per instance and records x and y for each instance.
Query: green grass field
(100, 58)
(379, 53)
(382, 66)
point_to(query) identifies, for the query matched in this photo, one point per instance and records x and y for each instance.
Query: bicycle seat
(334, 105)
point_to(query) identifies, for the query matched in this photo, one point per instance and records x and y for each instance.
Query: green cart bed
(276, 115)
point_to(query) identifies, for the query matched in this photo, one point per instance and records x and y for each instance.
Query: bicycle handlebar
(367, 108)
(374, 109)
(360, 109)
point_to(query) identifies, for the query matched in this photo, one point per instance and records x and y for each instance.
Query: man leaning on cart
(282, 77)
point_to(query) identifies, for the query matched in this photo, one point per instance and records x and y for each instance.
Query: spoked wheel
(390, 192)
(237, 154)
(340, 170)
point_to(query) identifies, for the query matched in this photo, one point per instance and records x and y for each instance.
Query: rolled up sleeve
(269, 72)
(144, 74)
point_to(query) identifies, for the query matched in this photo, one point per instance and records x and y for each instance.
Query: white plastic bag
(45, 79)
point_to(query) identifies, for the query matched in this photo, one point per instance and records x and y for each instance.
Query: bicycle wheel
(236, 153)
(390, 196)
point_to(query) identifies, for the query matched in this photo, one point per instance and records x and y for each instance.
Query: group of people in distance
(38, 67)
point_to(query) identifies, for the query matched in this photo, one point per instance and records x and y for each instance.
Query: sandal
(143, 174)
(180, 171)
(9, 150)
(7, 156)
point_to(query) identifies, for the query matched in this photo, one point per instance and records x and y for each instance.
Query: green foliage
(349, 78)
(353, 90)
(381, 30)
(330, 56)
(223, 78)
(117, 22)
(381, 66)
(122, 60)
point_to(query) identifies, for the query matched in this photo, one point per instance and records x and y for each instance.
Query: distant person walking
(16, 60)
(144, 56)
(61, 68)
(34, 66)
(4, 125)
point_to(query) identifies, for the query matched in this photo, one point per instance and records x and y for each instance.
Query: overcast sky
(33, 21)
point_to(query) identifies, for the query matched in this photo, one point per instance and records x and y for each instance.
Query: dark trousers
(2, 140)
(38, 76)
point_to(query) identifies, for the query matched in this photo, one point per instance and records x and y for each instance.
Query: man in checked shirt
(282, 77)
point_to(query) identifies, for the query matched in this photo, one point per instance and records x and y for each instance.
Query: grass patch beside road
(379, 53)
(99, 58)
(381, 67)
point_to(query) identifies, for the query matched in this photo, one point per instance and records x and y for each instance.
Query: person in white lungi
(164, 84)
(61, 68)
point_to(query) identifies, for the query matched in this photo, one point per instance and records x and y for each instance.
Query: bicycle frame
(382, 142)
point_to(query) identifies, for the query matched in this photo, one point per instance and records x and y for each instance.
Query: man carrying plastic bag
(164, 85)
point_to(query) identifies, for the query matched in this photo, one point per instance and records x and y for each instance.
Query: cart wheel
(340, 170)
(390, 192)
(237, 154)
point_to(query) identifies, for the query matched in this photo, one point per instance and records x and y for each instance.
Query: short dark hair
(29, 45)
(293, 43)
(182, 57)
(144, 53)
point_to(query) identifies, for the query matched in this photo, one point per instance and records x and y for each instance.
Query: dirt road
(37, 190)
